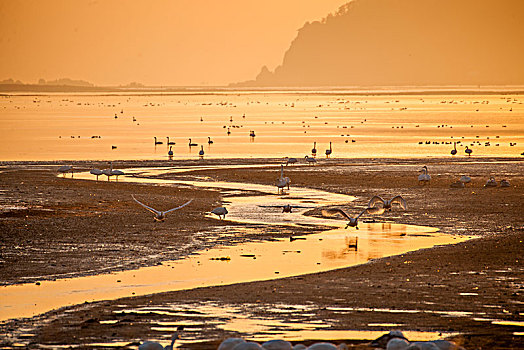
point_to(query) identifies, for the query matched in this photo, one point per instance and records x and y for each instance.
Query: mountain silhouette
(407, 43)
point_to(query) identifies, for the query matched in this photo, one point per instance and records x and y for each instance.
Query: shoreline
(490, 214)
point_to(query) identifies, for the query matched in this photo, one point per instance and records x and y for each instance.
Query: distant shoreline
(32, 89)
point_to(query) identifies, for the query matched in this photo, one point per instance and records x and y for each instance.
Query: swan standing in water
(314, 149)
(96, 172)
(112, 172)
(170, 152)
(454, 150)
(282, 181)
(310, 160)
(387, 204)
(160, 215)
(201, 152)
(353, 222)
(424, 178)
(329, 151)
(152, 345)
(66, 169)
(220, 211)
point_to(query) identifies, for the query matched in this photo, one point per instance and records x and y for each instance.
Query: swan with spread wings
(353, 221)
(160, 215)
(387, 204)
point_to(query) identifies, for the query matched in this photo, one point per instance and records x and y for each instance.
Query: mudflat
(51, 227)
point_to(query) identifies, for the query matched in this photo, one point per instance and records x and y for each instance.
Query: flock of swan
(425, 178)
(393, 340)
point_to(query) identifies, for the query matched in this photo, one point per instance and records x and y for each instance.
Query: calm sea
(73, 126)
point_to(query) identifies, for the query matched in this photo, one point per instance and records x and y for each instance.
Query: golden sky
(158, 42)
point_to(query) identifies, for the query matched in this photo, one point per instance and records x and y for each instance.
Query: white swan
(282, 181)
(220, 211)
(160, 215)
(310, 160)
(425, 177)
(387, 204)
(277, 344)
(65, 169)
(112, 172)
(329, 151)
(152, 345)
(353, 222)
(96, 172)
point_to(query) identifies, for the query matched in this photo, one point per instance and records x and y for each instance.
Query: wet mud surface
(56, 228)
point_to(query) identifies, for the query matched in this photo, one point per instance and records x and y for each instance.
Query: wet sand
(69, 228)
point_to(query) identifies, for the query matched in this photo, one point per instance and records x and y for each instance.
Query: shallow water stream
(330, 249)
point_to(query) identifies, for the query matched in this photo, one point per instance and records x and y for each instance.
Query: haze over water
(66, 126)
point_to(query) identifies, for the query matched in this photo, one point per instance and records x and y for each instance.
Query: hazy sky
(176, 42)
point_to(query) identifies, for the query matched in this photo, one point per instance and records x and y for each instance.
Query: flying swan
(160, 215)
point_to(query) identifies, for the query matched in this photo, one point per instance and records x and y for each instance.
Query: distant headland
(406, 43)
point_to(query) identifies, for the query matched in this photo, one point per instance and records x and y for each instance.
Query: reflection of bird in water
(454, 150)
(160, 215)
(310, 160)
(220, 211)
(66, 169)
(491, 182)
(158, 142)
(387, 204)
(282, 181)
(353, 222)
(314, 149)
(96, 172)
(151, 345)
(468, 151)
(424, 178)
(286, 208)
(329, 151)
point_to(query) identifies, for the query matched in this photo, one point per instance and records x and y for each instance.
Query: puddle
(244, 262)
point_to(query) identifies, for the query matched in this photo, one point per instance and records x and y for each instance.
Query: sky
(156, 43)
